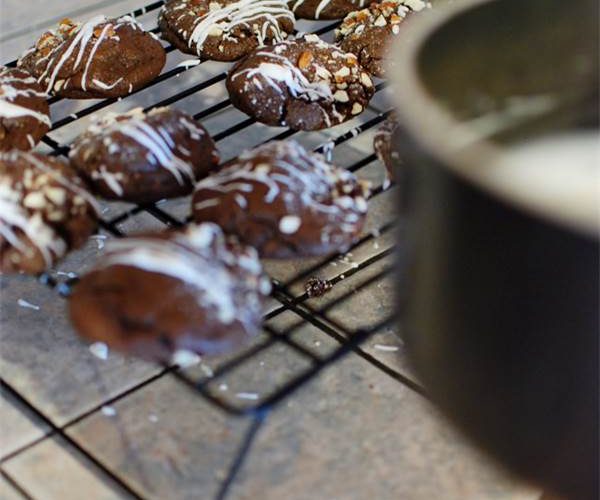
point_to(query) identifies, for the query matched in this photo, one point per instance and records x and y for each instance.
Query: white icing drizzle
(200, 258)
(155, 139)
(319, 186)
(281, 70)
(8, 93)
(221, 20)
(83, 34)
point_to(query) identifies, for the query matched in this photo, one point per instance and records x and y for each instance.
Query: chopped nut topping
(305, 59)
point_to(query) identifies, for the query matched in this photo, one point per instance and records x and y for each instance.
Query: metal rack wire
(347, 339)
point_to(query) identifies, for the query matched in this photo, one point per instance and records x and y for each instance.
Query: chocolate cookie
(324, 9)
(304, 84)
(144, 157)
(154, 295)
(45, 211)
(368, 32)
(100, 58)
(24, 111)
(382, 145)
(284, 201)
(225, 30)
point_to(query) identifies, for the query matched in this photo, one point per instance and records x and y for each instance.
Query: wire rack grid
(287, 295)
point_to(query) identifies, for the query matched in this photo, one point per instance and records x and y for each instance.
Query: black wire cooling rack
(308, 312)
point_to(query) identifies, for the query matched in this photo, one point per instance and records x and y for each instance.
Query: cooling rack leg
(258, 418)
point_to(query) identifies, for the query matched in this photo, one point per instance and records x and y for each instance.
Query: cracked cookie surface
(97, 59)
(304, 84)
(284, 201)
(224, 30)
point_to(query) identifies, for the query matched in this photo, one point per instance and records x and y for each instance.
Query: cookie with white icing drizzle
(224, 30)
(96, 59)
(304, 84)
(45, 211)
(144, 157)
(284, 201)
(324, 9)
(368, 32)
(154, 295)
(24, 111)
(384, 148)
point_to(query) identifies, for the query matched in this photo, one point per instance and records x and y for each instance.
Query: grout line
(242, 454)
(58, 431)
(13, 482)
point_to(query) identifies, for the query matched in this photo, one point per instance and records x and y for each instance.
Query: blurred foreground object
(498, 109)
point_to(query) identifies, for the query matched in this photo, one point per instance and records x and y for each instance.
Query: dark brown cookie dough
(304, 84)
(284, 201)
(24, 111)
(155, 295)
(382, 145)
(45, 211)
(224, 30)
(367, 33)
(97, 59)
(144, 157)
(324, 9)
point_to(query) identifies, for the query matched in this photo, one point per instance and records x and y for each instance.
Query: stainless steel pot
(501, 295)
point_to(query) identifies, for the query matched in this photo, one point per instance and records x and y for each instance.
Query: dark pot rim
(451, 142)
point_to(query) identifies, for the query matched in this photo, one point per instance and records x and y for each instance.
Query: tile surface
(18, 426)
(53, 471)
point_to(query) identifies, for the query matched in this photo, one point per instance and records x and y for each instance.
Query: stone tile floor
(73, 426)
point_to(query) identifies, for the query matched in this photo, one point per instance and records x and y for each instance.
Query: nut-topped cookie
(24, 111)
(284, 201)
(324, 9)
(155, 295)
(97, 59)
(144, 157)
(368, 32)
(45, 211)
(304, 84)
(224, 30)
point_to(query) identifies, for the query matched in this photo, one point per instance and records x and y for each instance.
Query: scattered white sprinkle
(342, 276)
(100, 350)
(223, 387)
(376, 245)
(247, 395)
(189, 63)
(262, 363)
(388, 348)
(289, 224)
(67, 274)
(207, 370)
(153, 418)
(100, 238)
(74, 116)
(184, 358)
(317, 343)
(109, 411)
(28, 305)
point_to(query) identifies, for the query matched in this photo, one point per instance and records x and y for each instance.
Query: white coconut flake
(189, 63)
(223, 387)
(108, 411)
(253, 396)
(289, 224)
(100, 350)
(387, 348)
(153, 418)
(184, 358)
(28, 305)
